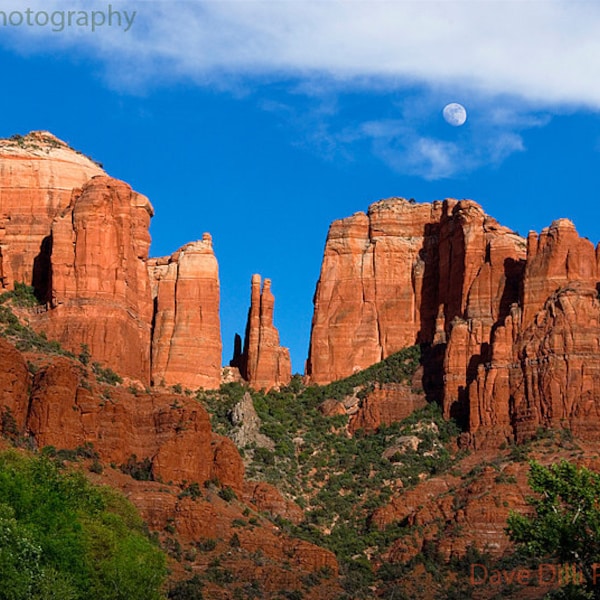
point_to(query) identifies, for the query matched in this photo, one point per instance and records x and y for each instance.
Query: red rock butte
(81, 239)
(185, 288)
(515, 322)
(38, 174)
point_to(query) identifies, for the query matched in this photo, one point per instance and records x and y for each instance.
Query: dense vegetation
(63, 538)
(340, 480)
(565, 524)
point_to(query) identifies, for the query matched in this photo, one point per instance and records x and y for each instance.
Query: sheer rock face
(263, 362)
(376, 270)
(37, 175)
(186, 339)
(401, 274)
(81, 238)
(517, 322)
(545, 356)
(99, 285)
(14, 383)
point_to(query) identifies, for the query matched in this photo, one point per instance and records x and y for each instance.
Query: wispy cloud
(542, 51)
(410, 151)
(521, 61)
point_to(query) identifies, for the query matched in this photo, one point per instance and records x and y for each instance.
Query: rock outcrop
(186, 338)
(14, 386)
(401, 274)
(246, 424)
(81, 239)
(172, 432)
(376, 268)
(263, 363)
(517, 322)
(386, 404)
(37, 175)
(99, 289)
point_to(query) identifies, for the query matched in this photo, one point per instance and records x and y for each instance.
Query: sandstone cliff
(401, 274)
(81, 239)
(263, 363)
(37, 175)
(545, 355)
(99, 290)
(516, 323)
(186, 338)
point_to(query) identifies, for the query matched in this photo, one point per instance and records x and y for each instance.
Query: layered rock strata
(517, 322)
(99, 290)
(545, 356)
(186, 338)
(81, 239)
(38, 173)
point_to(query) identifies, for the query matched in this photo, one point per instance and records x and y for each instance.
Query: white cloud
(408, 150)
(513, 63)
(544, 52)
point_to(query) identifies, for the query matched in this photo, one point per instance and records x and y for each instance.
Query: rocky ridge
(514, 323)
(81, 239)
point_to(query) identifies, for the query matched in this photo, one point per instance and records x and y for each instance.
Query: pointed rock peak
(263, 362)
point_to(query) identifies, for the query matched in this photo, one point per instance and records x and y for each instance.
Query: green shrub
(190, 589)
(22, 296)
(227, 494)
(62, 537)
(140, 470)
(106, 375)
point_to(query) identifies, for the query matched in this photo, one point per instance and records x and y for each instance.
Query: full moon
(455, 114)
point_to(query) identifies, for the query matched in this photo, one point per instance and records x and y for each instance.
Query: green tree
(565, 524)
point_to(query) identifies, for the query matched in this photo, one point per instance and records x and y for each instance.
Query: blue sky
(261, 122)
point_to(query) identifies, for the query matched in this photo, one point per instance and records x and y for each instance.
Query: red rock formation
(386, 404)
(186, 339)
(400, 275)
(37, 175)
(171, 431)
(263, 362)
(453, 514)
(14, 386)
(517, 323)
(376, 270)
(100, 290)
(267, 498)
(556, 257)
(545, 357)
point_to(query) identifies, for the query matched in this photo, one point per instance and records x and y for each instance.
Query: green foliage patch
(62, 537)
(565, 524)
(339, 480)
(23, 337)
